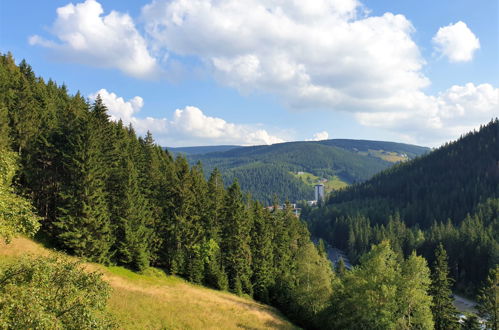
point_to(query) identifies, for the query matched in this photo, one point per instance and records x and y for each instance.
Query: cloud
(434, 119)
(188, 126)
(321, 54)
(326, 54)
(456, 42)
(319, 136)
(87, 36)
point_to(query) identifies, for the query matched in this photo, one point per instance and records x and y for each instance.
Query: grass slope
(154, 300)
(333, 183)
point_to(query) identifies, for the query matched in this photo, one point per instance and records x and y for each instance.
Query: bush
(52, 293)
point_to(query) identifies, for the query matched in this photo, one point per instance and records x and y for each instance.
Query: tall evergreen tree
(262, 253)
(84, 226)
(132, 232)
(444, 312)
(236, 241)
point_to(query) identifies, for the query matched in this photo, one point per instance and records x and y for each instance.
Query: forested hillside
(111, 197)
(99, 192)
(265, 171)
(450, 195)
(199, 150)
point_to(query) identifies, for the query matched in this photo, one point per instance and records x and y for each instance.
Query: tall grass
(155, 300)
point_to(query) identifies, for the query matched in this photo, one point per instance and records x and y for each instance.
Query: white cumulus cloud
(319, 136)
(322, 54)
(456, 41)
(319, 53)
(188, 126)
(434, 119)
(87, 36)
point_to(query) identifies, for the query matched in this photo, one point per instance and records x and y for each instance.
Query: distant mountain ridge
(268, 170)
(200, 149)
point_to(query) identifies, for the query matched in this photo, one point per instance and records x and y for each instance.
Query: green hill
(199, 150)
(450, 195)
(275, 169)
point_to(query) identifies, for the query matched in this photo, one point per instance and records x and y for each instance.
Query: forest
(265, 171)
(450, 195)
(92, 188)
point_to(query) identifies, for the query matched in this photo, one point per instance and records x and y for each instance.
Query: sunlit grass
(155, 300)
(332, 183)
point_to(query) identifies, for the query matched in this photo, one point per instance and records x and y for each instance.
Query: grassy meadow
(155, 300)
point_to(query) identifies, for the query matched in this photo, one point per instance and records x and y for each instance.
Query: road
(464, 305)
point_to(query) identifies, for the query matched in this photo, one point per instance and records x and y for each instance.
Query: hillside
(283, 169)
(450, 195)
(154, 300)
(199, 149)
(96, 190)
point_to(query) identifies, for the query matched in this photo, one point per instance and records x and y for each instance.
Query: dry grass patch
(154, 300)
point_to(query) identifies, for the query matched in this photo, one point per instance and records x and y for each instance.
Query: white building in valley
(319, 192)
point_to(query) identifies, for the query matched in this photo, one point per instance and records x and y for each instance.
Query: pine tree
(236, 241)
(215, 200)
(444, 312)
(195, 239)
(182, 214)
(488, 300)
(83, 225)
(262, 253)
(132, 232)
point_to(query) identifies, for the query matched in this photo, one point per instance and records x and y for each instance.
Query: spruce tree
(262, 253)
(236, 241)
(132, 231)
(83, 224)
(215, 200)
(444, 312)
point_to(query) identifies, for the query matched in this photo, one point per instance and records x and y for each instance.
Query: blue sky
(258, 72)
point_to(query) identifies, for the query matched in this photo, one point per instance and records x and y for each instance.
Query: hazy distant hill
(199, 150)
(290, 169)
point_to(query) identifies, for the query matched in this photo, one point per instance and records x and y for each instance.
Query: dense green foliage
(264, 181)
(444, 312)
(383, 292)
(411, 151)
(265, 171)
(449, 196)
(108, 196)
(52, 293)
(16, 212)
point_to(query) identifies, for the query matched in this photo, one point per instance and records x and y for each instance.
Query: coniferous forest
(108, 196)
(449, 196)
(92, 188)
